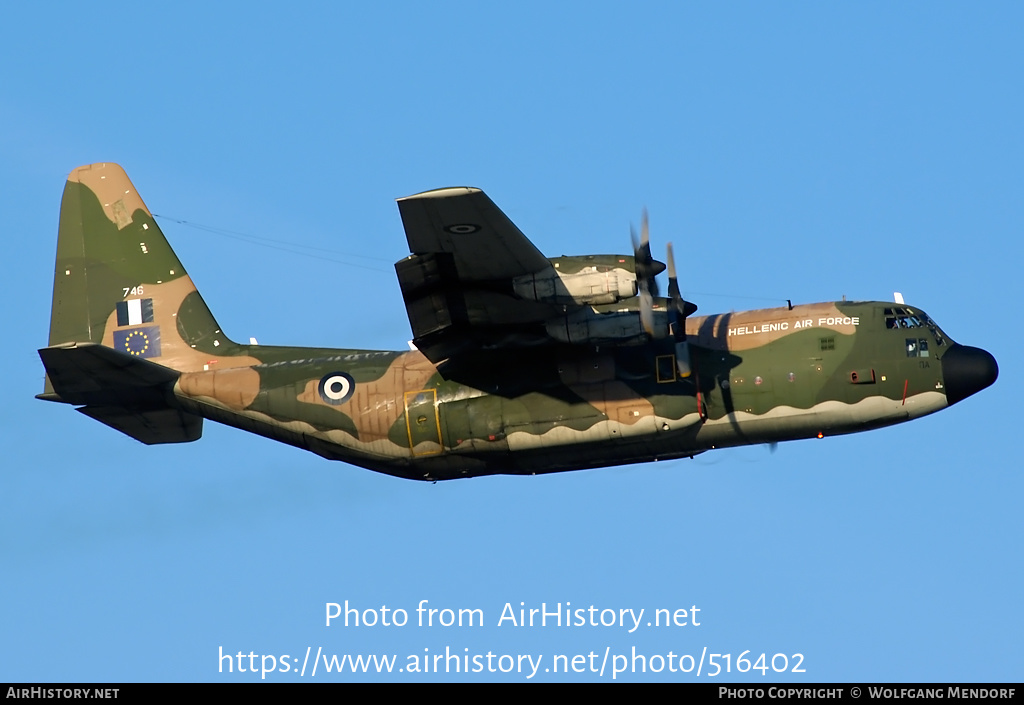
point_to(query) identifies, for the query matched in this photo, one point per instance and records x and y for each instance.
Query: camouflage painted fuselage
(760, 376)
(133, 345)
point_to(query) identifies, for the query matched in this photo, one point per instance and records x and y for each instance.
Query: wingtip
(447, 192)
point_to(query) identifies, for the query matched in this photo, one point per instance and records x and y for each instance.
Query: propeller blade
(673, 283)
(683, 359)
(678, 310)
(644, 262)
(645, 231)
(647, 312)
(677, 306)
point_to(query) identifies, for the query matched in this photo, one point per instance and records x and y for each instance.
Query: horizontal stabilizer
(151, 427)
(86, 373)
(124, 392)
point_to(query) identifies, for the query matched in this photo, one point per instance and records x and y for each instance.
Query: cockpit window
(903, 318)
(917, 347)
(899, 317)
(940, 339)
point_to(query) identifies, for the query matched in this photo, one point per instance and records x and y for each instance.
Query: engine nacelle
(590, 285)
(590, 327)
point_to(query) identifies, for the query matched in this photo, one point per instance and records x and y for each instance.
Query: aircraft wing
(458, 281)
(464, 223)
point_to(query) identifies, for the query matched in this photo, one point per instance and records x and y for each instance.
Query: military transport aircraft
(522, 364)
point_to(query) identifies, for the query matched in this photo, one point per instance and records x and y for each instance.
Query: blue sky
(800, 151)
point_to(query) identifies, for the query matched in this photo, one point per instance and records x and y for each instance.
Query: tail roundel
(126, 319)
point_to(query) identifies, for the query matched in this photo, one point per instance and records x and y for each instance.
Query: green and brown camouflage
(523, 365)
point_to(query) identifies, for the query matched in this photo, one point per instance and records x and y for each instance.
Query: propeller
(646, 269)
(678, 310)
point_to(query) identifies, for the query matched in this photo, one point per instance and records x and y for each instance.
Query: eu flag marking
(138, 342)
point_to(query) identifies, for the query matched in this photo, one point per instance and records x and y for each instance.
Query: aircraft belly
(828, 417)
(428, 432)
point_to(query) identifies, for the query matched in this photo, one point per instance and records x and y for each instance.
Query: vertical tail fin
(119, 284)
(127, 320)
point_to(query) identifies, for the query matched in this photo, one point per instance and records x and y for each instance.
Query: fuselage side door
(422, 423)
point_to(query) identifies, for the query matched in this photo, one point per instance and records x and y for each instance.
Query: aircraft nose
(967, 370)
